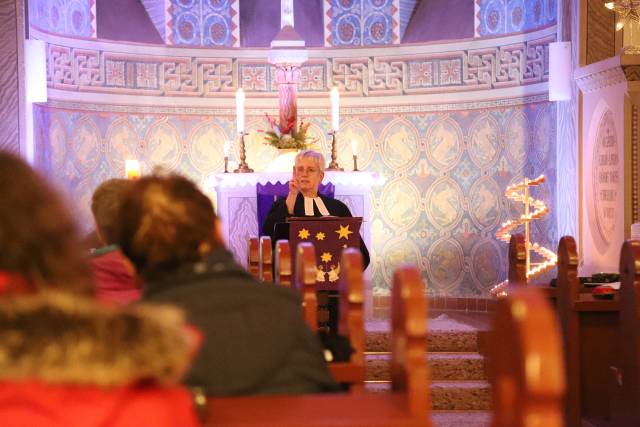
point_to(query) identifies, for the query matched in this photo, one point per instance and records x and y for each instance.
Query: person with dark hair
(113, 273)
(37, 236)
(66, 360)
(255, 339)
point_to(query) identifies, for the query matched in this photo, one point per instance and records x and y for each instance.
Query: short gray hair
(310, 154)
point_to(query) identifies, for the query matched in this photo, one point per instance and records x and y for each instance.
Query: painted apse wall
(72, 17)
(446, 126)
(444, 175)
(495, 17)
(336, 23)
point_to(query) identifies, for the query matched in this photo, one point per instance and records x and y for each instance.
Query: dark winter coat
(255, 339)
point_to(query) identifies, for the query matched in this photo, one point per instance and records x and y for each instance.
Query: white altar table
(236, 203)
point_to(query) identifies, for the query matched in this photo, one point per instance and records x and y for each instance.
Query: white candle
(286, 13)
(354, 147)
(132, 169)
(335, 109)
(227, 148)
(240, 110)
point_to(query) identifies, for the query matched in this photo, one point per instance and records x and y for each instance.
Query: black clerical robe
(280, 213)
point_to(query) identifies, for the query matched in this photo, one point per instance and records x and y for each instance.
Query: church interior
(487, 151)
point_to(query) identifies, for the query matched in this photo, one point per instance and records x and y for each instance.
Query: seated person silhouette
(255, 339)
(66, 359)
(113, 274)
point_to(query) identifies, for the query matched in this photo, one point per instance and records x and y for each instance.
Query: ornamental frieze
(97, 70)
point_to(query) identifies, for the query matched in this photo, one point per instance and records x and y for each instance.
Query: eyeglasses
(309, 171)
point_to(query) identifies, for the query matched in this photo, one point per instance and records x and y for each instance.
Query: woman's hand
(293, 193)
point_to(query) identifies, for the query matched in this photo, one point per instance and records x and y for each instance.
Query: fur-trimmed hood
(62, 339)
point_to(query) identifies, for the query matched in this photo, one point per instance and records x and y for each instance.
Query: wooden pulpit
(329, 235)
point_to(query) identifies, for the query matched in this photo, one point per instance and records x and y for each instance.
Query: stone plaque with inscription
(606, 176)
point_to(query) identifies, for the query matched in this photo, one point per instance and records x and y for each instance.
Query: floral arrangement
(284, 136)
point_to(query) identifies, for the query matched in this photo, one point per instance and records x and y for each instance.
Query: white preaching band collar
(308, 206)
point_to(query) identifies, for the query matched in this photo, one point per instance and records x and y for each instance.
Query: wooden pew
(351, 322)
(283, 263)
(517, 273)
(590, 336)
(517, 269)
(253, 257)
(407, 405)
(625, 405)
(351, 297)
(305, 282)
(265, 270)
(526, 362)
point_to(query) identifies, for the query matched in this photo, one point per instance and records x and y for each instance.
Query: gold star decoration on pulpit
(303, 233)
(320, 235)
(326, 257)
(344, 232)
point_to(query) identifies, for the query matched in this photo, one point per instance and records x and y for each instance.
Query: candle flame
(132, 169)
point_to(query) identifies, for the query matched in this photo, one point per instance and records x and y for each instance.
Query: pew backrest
(266, 259)
(351, 320)
(409, 370)
(526, 362)
(283, 263)
(305, 282)
(568, 289)
(590, 334)
(253, 256)
(517, 274)
(629, 360)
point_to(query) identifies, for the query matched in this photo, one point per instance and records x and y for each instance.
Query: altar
(236, 203)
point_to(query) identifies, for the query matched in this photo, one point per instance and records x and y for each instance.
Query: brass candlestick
(355, 163)
(243, 167)
(333, 166)
(226, 164)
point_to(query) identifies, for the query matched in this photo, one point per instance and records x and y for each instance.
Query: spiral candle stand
(533, 209)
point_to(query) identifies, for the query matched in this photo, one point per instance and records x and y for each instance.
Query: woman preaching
(304, 200)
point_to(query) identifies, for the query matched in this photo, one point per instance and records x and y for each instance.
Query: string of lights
(533, 209)
(625, 10)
